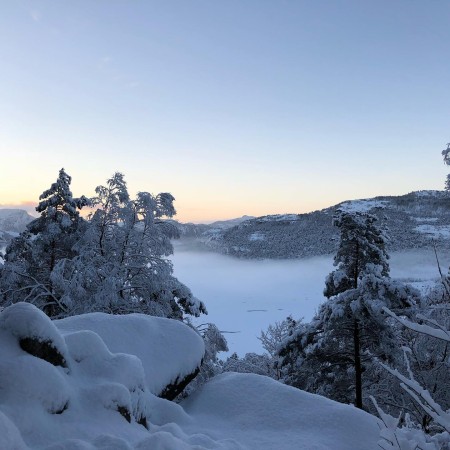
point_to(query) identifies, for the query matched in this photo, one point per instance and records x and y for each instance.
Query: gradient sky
(235, 107)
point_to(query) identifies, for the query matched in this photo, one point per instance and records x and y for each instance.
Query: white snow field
(92, 398)
(244, 297)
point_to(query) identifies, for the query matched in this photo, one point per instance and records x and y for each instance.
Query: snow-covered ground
(244, 297)
(92, 398)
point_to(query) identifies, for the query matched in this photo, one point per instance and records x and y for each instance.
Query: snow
(244, 297)
(168, 349)
(286, 418)
(231, 412)
(257, 236)
(14, 220)
(362, 205)
(429, 193)
(426, 219)
(438, 333)
(225, 224)
(434, 231)
(278, 218)
(24, 320)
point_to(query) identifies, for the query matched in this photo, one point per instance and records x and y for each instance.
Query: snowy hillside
(65, 385)
(12, 222)
(412, 220)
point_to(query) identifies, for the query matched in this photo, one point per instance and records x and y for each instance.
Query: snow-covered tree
(121, 264)
(116, 261)
(330, 354)
(31, 258)
(274, 335)
(362, 244)
(251, 363)
(446, 156)
(425, 368)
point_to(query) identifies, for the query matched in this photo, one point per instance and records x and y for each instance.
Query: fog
(244, 297)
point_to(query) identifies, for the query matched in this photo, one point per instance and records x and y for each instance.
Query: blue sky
(235, 107)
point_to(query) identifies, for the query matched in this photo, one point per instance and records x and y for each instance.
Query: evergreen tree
(361, 246)
(330, 354)
(31, 258)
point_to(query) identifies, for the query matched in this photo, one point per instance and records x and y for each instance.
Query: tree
(121, 264)
(446, 155)
(330, 354)
(418, 393)
(31, 258)
(116, 261)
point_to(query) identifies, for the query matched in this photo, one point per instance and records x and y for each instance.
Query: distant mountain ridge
(12, 222)
(412, 221)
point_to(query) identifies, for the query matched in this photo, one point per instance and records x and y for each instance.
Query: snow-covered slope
(14, 220)
(62, 387)
(261, 413)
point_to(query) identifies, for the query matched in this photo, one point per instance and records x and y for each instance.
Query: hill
(12, 222)
(413, 221)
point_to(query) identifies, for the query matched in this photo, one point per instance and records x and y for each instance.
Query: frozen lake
(244, 297)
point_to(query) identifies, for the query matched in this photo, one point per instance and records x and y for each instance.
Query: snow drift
(88, 382)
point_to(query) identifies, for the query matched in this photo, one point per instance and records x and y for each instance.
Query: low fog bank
(244, 297)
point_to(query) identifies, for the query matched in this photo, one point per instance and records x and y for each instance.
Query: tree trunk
(358, 367)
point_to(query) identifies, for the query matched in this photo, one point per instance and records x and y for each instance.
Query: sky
(235, 107)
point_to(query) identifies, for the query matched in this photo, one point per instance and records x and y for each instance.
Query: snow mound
(34, 332)
(167, 349)
(101, 400)
(261, 413)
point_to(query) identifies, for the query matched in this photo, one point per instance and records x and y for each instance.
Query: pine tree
(31, 258)
(330, 354)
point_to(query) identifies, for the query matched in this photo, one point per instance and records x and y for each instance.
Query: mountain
(205, 232)
(413, 220)
(12, 222)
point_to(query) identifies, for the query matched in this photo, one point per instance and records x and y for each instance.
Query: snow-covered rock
(169, 351)
(35, 333)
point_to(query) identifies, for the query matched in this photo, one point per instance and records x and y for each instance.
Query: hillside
(413, 221)
(12, 222)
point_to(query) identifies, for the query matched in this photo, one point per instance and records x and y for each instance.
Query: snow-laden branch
(438, 333)
(422, 397)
